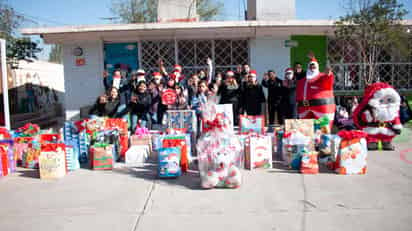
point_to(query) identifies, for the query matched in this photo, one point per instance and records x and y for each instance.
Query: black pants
(276, 108)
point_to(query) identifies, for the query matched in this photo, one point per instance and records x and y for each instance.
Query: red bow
(217, 123)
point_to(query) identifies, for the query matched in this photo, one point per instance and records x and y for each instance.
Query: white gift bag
(137, 155)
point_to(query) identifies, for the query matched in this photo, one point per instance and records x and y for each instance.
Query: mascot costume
(314, 93)
(378, 115)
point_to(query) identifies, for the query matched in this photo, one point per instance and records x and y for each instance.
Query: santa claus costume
(378, 115)
(314, 94)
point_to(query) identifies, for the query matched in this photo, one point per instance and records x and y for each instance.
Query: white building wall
(269, 54)
(82, 83)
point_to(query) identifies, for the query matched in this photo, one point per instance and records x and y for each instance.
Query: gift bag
(49, 138)
(52, 161)
(30, 159)
(309, 163)
(251, 124)
(258, 152)
(137, 155)
(180, 142)
(136, 140)
(168, 163)
(4, 161)
(101, 156)
(11, 157)
(352, 155)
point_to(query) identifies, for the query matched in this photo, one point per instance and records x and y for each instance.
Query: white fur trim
(376, 131)
(374, 101)
(368, 116)
(398, 126)
(331, 116)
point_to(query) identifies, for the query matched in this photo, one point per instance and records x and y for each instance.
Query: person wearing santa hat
(252, 96)
(230, 94)
(378, 115)
(314, 93)
(289, 99)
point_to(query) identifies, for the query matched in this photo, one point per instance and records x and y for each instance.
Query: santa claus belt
(380, 124)
(316, 102)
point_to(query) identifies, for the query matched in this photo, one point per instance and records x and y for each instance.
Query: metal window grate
(344, 58)
(192, 54)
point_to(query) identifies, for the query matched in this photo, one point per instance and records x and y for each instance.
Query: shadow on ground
(148, 171)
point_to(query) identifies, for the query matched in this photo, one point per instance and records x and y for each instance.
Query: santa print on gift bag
(258, 153)
(352, 154)
(251, 124)
(52, 161)
(180, 143)
(169, 97)
(309, 163)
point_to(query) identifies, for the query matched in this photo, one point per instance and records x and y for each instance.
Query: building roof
(183, 30)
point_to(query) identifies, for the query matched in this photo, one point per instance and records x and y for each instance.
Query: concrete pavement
(275, 199)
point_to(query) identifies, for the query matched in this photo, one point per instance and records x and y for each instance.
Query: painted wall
(82, 83)
(269, 54)
(306, 43)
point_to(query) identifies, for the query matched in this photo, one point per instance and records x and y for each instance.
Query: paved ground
(276, 199)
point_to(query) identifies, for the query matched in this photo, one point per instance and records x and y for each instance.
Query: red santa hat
(373, 93)
(314, 61)
(141, 72)
(230, 73)
(288, 70)
(156, 74)
(177, 68)
(253, 73)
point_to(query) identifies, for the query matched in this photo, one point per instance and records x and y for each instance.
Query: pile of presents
(219, 151)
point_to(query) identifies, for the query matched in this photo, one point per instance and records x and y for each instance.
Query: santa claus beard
(312, 74)
(386, 113)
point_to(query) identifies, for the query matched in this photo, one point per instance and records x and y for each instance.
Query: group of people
(140, 96)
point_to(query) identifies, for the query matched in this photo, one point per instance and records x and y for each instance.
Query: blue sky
(75, 12)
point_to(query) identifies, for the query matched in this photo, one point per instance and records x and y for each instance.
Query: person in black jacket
(275, 93)
(289, 99)
(230, 94)
(252, 96)
(139, 106)
(106, 105)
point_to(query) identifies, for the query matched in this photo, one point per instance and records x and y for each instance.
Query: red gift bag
(181, 143)
(49, 138)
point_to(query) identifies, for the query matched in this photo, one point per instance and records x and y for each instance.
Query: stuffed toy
(378, 115)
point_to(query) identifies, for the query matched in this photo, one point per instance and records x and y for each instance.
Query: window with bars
(192, 54)
(345, 60)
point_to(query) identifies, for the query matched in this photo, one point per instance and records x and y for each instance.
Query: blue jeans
(135, 119)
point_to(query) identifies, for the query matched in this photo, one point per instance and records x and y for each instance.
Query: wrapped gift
(28, 130)
(84, 144)
(219, 152)
(50, 138)
(72, 158)
(258, 152)
(30, 159)
(137, 155)
(101, 156)
(352, 155)
(11, 157)
(309, 163)
(294, 144)
(4, 134)
(181, 119)
(4, 161)
(52, 161)
(136, 140)
(251, 124)
(122, 127)
(168, 163)
(227, 111)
